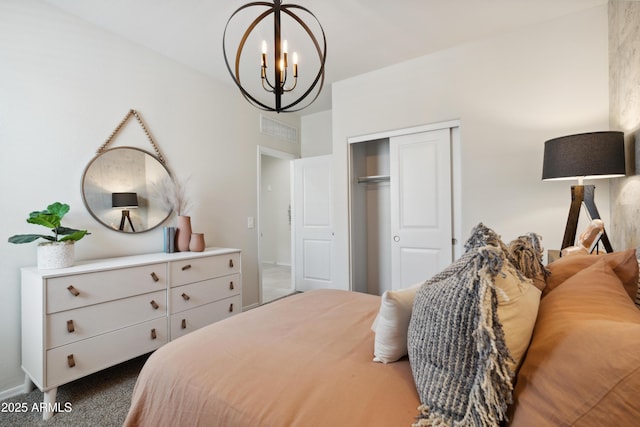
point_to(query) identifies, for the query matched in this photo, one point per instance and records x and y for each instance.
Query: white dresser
(96, 314)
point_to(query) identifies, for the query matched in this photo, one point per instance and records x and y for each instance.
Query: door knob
(396, 238)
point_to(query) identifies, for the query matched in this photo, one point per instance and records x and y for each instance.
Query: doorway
(274, 224)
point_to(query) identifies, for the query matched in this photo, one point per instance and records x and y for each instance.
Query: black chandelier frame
(276, 8)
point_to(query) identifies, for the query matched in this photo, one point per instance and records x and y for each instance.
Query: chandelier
(276, 85)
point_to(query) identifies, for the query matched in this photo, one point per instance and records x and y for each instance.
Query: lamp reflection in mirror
(125, 201)
(594, 155)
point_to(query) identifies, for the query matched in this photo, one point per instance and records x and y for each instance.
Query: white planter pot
(55, 255)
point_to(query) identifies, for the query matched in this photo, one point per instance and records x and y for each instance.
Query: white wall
(511, 93)
(64, 87)
(316, 134)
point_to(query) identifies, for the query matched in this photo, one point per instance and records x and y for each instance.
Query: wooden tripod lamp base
(582, 194)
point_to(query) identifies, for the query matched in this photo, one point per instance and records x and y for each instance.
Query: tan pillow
(392, 324)
(583, 365)
(624, 265)
(518, 301)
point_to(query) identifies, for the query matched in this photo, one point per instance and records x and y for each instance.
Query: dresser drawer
(82, 358)
(195, 294)
(199, 269)
(79, 290)
(188, 321)
(69, 326)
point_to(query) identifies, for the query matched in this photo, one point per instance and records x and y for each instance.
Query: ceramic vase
(183, 233)
(55, 255)
(196, 243)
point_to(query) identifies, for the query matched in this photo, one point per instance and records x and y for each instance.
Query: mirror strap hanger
(135, 114)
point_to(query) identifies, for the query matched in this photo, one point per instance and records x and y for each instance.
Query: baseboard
(279, 264)
(25, 388)
(250, 307)
(12, 392)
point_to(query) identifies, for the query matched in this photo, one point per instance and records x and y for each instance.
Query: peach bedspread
(305, 360)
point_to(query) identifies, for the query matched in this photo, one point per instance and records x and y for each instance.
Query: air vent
(278, 129)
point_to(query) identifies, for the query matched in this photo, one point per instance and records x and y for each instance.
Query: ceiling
(362, 35)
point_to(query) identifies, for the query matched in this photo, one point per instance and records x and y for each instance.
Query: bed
(306, 360)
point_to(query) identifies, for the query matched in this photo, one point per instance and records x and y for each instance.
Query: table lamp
(593, 155)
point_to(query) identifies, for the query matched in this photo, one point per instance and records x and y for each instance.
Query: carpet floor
(98, 400)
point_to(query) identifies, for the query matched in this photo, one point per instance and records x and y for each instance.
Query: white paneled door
(421, 206)
(314, 263)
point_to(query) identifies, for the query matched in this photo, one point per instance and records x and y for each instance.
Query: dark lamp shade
(586, 155)
(124, 200)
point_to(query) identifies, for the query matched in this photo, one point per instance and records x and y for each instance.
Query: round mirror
(122, 189)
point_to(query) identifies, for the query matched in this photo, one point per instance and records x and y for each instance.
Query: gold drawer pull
(183, 325)
(154, 276)
(186, 267)
(154, 305)
(70, 361)
(186, 297)
(231, 285)
(70, 327)
(231, 308)
(230, 263)
(153, 334)
(73, 290)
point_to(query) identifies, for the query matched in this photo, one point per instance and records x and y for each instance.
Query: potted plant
(58, 250)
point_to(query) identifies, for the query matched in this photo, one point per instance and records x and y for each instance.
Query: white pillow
(392, 324)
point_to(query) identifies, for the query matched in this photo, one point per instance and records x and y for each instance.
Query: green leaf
(64, 230)
(75, 235)
(27, 238)
(58, 209)
(44, 218)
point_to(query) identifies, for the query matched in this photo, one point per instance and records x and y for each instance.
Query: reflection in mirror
(121, 188)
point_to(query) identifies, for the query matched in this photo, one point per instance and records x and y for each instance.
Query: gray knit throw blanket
(456, 344)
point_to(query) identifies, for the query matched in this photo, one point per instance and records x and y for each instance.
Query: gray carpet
(101, 399)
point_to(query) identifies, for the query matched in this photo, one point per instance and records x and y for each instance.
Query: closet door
(421, 206)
